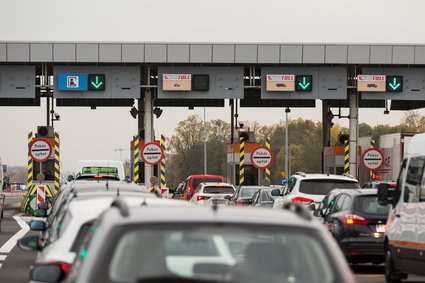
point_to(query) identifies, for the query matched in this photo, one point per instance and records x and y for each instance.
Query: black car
(358, 223)
(243, 195)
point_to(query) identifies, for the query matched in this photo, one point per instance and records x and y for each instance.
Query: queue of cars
(106, 230)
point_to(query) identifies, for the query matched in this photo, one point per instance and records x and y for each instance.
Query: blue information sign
(283, 181)
(72, 82)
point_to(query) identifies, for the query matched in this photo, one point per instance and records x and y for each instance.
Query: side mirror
(311, 207)
(43, 205)
(2, 196)
(71, 178)
(29, 243)
(275, 192)
(36, 225)
(39, 213)
(383, 196)
(228, 197)
(47, 272)
(318, 212)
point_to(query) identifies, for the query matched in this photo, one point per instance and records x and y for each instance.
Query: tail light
(354, 219)
(242, 203)
(301, 200)
(98, 176)
(66, 267)
(202, 197)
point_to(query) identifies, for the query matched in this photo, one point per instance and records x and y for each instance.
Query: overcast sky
(101, 133)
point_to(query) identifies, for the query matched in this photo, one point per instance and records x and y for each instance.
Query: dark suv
(358, 223)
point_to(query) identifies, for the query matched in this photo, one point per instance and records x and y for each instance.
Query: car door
(334, 220)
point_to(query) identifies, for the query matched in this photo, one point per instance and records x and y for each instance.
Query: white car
(310, 189)
(75, 221)
(213, 193)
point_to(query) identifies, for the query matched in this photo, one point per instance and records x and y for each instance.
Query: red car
(193, 181)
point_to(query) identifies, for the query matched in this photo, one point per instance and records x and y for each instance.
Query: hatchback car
(310, 189)
(207, 244)
(358, 223)
(193, 181)
(213, 193)
(243, 195)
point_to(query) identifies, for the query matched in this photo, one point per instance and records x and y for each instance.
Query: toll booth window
(414, 178)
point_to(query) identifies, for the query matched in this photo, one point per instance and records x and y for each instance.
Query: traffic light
(303, 83)
(96, 82)
(394, 83)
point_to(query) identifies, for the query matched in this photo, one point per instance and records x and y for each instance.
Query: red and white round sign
(152, 153)
(373, 159)
(40, 150)
(261, 157)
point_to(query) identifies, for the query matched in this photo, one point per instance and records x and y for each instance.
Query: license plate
(381, 228)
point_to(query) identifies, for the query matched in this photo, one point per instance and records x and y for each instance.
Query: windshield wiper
(177, 280)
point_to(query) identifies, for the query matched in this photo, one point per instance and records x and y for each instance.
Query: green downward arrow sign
(97, 84)
(304, 84)
(394, 85)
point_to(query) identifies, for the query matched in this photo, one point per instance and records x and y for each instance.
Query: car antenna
(144, 202)
(107, 185)
(215, 206)
(118, 192)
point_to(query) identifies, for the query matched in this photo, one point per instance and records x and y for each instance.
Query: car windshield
(197, 181)
(248, 192)
(224, 253)
(219, 190)
(370, 205)
(323, 186)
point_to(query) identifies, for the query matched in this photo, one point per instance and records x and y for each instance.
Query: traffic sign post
(373, 159)
(283, 181)
(261, 157)
(152, 153)
(40, 150)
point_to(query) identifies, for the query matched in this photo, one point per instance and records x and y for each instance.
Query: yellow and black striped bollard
(241, 161)
(57, 161)
(267, 169)
(136, 151)
(372, 145)
(30, 163)
(346, 157)
(162, 177)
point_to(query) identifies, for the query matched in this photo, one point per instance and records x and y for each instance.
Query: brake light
(301, 200)
(98, 176)
(66, 267)
(241, 203)
(393, 185)
(202, 197)
(351, 219)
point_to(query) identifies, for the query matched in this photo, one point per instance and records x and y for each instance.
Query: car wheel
(391, 275)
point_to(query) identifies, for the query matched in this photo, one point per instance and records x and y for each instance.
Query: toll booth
(253, 176)
(47, 167)
(333, 159)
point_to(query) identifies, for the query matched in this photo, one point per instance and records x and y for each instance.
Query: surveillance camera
(57, 116)
(241, 125)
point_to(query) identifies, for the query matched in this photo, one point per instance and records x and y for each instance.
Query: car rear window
(219, 190)
(323, 186)
(217, 253)
(197, 181)
(370, 205)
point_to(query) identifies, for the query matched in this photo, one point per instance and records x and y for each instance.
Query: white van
(405, 235)
(110, 167)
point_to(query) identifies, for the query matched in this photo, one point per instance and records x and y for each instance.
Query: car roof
(204, 176)
(355, 192)
(304, 176)
(206, 214)
(107, 185)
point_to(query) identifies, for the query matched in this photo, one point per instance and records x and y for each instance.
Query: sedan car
(358, 223)
(243, 195)
(204, 244)
(213, 193)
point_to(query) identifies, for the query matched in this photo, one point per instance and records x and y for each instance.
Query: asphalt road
(15, 264)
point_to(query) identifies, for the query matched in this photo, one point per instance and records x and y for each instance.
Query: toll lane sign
(152, 153)
(40, 150)
(261, 157)
(373, 159)
(177, 82)
(394, 83)
(280, 82)
(371, 83)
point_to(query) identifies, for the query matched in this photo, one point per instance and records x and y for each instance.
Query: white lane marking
(8, 246)
(2, 257)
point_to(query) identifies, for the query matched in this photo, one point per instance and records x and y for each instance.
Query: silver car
(213, 193)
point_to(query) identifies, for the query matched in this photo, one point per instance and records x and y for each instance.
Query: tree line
(185, 151)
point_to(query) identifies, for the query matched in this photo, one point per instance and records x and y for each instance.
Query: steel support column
(354, 125)
(148, 131)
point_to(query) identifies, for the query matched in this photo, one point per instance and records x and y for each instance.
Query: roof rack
(298, 210)
(348, 175)
(122, 206)
(300, 173)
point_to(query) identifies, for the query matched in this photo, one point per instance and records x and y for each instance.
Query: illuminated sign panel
(371, 83)
(280, 82)
(304, 83)
(176, 82)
